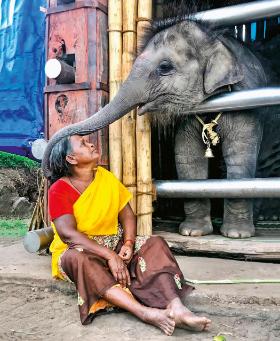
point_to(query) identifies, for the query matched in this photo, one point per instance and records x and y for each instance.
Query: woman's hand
(119, 270)
(126, 253)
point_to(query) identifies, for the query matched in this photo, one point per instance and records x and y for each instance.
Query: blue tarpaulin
(22, 34)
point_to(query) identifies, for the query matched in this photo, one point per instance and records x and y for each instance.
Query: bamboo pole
(128, 121)
(115, 80)
(234, 281)
(143, 143)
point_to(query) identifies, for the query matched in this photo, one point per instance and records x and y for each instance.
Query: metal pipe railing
(215, 188)
(239, 14)
(240, 100)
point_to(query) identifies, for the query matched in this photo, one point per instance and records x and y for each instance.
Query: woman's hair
(59, 167)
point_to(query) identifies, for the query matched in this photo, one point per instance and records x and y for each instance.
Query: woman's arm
(128, 222)
(67, 230)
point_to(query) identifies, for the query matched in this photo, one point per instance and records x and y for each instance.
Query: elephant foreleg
(191, 164)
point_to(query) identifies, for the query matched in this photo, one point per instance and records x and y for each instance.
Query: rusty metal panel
(78, 29)
(66, 108)
(81, 33)
(69, 107)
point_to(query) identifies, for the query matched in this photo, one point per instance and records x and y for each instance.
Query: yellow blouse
(96, 212)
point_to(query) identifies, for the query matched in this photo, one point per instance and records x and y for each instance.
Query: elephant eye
(165, 68)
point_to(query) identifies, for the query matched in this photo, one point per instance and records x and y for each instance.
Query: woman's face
(83, 152)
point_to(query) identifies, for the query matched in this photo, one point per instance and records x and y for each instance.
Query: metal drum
(38, 240)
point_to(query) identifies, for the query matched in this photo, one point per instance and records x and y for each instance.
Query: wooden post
(143, 144)
(128, 121)
(115, 80)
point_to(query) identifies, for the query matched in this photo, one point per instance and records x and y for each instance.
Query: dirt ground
(34, 312)
(33, 307)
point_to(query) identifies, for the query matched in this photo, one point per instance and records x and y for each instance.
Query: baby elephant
(189, 63)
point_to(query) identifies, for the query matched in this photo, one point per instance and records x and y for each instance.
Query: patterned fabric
(178, 281)
(80, 300)
(139, 242)
(110, 241)
(142, 264)
(154, 272)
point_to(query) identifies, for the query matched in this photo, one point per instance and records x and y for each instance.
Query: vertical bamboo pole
(128, 121)
(115, 80)
(143, 143)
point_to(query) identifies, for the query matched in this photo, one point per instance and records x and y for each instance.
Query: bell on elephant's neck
(208, 152)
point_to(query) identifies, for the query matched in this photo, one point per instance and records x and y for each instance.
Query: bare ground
(34, 307)
(38, 312)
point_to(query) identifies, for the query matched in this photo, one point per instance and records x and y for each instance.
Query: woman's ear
(221, 69)
(70, 158)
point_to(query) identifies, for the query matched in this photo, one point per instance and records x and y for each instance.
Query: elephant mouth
(146, 107)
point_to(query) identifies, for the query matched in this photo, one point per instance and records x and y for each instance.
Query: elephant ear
(222, 69)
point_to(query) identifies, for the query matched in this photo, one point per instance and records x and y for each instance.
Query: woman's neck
(85, 175)
(81, 179)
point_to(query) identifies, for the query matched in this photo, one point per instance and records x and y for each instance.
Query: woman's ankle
(177, 306)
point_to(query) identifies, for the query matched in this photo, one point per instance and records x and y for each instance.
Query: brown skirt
(155, 277)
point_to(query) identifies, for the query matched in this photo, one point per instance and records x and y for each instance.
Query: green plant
(8, 160)
(13, 227)
(219, 338)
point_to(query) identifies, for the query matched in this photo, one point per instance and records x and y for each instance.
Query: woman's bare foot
(184, 318)
(162, 319)
(188, 320)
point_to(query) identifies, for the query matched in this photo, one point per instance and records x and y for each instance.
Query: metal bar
(240, 100)
(215, 188)
(239, 14)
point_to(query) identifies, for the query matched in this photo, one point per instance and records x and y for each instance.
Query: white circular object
(53, 68)
(31, 242)
(38, 148)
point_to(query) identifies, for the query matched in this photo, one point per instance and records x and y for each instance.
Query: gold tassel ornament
(208, 152)
(209, 136)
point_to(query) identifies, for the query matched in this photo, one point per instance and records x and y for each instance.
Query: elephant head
(179, 67)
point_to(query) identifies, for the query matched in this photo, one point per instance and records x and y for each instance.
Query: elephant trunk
(129, 96)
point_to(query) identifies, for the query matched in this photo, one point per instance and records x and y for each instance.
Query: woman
(96, 247)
